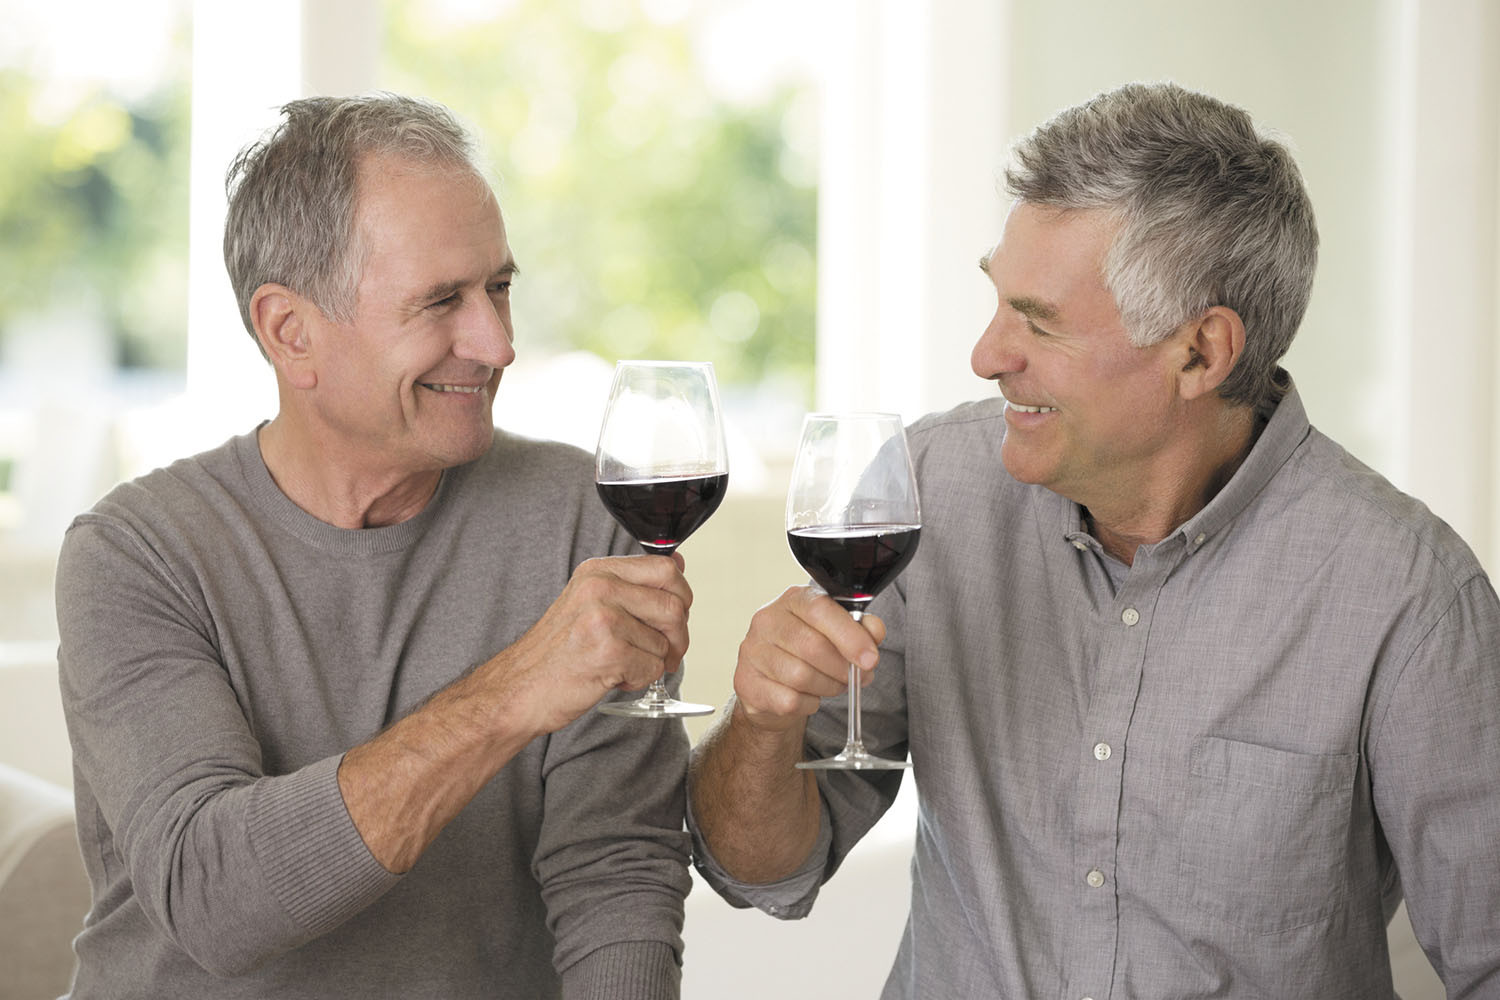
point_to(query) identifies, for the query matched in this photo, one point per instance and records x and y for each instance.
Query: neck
(339, 488)
(1176, 488)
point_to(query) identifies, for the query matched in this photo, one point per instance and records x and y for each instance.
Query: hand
(796, 653)
(619, 623)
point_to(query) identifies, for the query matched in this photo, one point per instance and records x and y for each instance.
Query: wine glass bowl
(661, 469)
(853, 520)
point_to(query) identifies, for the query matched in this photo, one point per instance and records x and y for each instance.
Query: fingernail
(869, 659)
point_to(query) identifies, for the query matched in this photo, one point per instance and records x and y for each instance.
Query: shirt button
(1080, 544)
(1199, 539)
(1101, 751)
(1094, 878)
(1130, 616)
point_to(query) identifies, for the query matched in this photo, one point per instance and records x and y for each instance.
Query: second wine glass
(853, 520)
(661, 469)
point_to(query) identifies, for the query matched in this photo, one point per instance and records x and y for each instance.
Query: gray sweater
(220, 651)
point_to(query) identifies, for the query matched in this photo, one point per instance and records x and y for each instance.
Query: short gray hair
(1212, 212)
(292, 194)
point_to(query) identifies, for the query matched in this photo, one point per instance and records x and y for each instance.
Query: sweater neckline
(282, 511)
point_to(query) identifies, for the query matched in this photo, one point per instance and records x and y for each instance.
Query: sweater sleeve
(612, 855)
(232, 864)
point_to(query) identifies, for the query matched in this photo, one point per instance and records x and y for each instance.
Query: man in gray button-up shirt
(1192, 696)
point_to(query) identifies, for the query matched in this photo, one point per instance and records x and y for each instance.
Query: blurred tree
(93, 209)
(649, 219)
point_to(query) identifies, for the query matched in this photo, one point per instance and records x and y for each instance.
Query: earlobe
(280, 319)
(1214, 344)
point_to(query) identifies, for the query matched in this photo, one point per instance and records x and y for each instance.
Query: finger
(854, 643)
(660, 572)
(661, 610)
(789, 652)
(764, 696)
(789, 670)
(603, 634)
(648, 570)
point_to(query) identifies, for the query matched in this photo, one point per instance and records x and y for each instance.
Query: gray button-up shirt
(1210, 773)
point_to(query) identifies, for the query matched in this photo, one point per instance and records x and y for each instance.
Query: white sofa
(43, 891)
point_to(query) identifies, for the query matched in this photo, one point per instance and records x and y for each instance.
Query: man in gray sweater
(330, 686)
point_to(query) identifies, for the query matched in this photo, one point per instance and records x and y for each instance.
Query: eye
(1038, 331)
(499, 287)
(444, 302)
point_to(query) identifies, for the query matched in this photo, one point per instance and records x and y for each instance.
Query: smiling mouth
(468, 390)
(1022, 408)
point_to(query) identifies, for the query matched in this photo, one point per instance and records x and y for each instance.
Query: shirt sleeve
(233, 865)
(1435, 755)
(852, 802)
(790, 898)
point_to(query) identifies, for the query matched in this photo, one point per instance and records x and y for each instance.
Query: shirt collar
(1285, 429)
(1286, 426)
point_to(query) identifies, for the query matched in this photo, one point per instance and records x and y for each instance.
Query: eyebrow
(1033, 308)
(1024, 304)
(443, 289)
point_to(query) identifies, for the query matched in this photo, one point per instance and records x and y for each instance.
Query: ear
(1212, 345)
(282, 324)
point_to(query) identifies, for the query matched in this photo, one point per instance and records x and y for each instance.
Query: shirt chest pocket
(1265, 843)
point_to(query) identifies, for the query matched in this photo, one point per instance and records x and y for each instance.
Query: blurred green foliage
(650, 219)
(94, 211)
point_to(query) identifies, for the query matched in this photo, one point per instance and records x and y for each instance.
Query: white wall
(1393, 108)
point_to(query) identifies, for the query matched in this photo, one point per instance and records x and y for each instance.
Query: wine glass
(661, 469)
(853, 520)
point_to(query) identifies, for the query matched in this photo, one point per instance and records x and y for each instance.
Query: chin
(459, 447)
(1023, 468)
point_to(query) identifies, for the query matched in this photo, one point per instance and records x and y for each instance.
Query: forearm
(758, 813)
(405, 785)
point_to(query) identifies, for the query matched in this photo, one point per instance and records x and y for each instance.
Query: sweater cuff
(630, 970)
(310, 851)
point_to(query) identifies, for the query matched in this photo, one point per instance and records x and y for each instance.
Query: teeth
(468, 389)
(1031, 409)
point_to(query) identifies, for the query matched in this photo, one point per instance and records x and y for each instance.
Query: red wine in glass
(662, 513)
(854, 562)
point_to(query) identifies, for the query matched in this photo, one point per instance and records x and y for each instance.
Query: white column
(1445, 261)
(248, 60)
(914, 136)
(246, 63)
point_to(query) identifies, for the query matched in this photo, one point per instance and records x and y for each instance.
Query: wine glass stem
(656, 692)
(854, 744)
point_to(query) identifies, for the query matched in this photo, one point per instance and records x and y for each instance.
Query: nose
(486, 335)
(998, 350)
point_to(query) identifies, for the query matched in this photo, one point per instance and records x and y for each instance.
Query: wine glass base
(854, 762)
(649, 708)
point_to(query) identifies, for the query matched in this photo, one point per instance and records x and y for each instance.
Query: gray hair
(1212, 212)
(292, 194)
